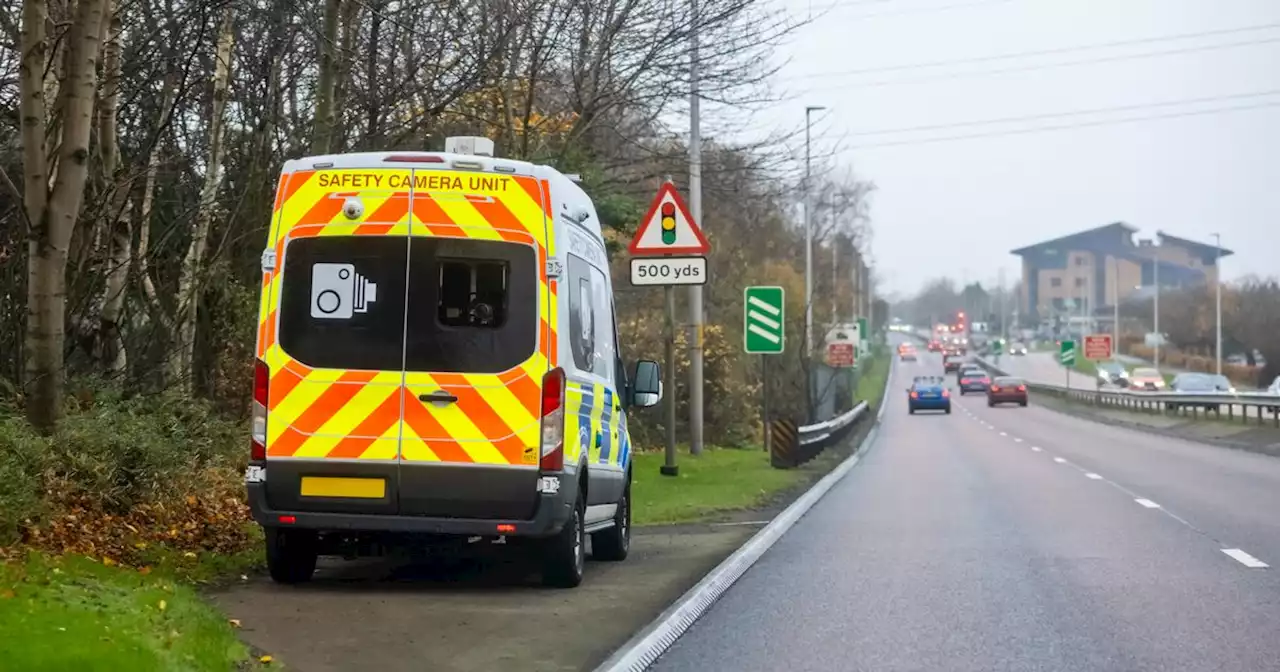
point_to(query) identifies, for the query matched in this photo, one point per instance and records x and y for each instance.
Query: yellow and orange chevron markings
(357, 415)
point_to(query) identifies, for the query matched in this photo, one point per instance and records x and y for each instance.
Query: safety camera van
(438, 363)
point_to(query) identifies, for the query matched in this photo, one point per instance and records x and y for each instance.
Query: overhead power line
(1072, 113)
(1066, 127)
(1042, 52)
(926, 9)
(1045, 66)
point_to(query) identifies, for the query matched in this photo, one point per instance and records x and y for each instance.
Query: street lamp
(1217, 277)
(808, 254)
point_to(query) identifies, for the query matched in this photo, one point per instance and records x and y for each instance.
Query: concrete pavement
(1013, 539)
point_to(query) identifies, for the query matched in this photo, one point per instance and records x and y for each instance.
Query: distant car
(1018, 349)
(928, 393)
(1112, 373)
(973, 380)
(1007, 390)
(950, 363)
(935, 346)
(907, 354)
(1146, 379)
(1199, 384)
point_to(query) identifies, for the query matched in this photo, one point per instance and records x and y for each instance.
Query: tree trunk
(156, 310)
(53, 214)
(115, 221)
(322, 132)
(183, 353)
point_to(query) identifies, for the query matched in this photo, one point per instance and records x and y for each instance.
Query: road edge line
(644, 648)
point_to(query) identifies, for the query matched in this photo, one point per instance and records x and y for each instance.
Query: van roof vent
(469, 144)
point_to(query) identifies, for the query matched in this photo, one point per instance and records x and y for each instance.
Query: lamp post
(808, 254)
(1217, 277)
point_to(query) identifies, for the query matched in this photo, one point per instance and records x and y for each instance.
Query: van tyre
(613, 544)
(564, 556)
(291, 555)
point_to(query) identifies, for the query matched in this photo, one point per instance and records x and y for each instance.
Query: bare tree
(51, 212)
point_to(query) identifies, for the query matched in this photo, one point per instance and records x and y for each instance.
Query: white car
(1018, 348)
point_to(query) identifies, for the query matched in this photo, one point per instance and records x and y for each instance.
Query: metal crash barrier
(792, 445)
(1248, 405)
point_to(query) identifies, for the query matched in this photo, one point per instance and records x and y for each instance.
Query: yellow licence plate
(359, 488)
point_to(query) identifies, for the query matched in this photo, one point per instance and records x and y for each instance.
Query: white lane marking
(1017, 440)
(1245, 559)
(1035, 448)
(741, 522)
(1096, 477)
(1147, 503)
(1003, 434)
(1059, 460)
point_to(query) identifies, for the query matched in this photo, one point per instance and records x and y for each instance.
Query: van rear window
(472, 304)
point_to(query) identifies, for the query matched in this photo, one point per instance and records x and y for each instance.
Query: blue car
(928, 393)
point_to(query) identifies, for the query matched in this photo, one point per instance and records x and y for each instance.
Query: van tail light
(552, 435)
(261, 383)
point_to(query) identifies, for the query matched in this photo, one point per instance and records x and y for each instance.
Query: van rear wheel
(613, 544)
(291, 555)
(564, 555)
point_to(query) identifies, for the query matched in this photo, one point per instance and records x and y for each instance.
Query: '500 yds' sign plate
(669, 271)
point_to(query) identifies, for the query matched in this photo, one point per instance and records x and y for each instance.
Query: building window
(1082, 261)
(1079, 282)
(1055, 282)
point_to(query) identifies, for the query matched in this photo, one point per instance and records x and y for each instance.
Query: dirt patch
(488, 612)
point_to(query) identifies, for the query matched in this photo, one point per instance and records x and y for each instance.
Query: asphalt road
(1014, 539)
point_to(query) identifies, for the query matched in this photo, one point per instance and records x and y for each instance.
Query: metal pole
(835, 310)
(808, 261)
(1217, 276)
(1115, 306)
(669, 394)
(1156, 317)
(1004, 310)
(764, 393)
(695, 206)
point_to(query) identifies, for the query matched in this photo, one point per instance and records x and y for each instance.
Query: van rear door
(332, 337)
(479, 330)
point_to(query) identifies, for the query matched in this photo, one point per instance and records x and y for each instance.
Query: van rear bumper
(550, 514)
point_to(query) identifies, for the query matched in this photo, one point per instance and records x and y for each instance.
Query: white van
(437, 360)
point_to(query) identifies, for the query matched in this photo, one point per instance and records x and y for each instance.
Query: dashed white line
(1003, 434)
(1059, 460)
(1096, 477)
(1035, 448)
(1245, 559)
(1017, 440)
(1147, 503)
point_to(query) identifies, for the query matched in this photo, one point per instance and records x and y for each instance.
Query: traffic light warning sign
(668, 228)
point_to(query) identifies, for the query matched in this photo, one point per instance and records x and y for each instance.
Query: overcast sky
(958, 207)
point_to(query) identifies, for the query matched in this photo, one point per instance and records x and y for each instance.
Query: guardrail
(791, 445)
(1194, 404)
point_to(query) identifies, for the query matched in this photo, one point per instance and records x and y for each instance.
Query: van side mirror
(646, 385)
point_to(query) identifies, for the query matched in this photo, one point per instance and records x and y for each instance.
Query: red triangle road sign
(668, 228)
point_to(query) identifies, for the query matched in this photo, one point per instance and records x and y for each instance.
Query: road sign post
(764, 332)
(668, 250)
(1067, 357)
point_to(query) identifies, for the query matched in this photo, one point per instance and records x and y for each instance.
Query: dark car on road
(1112, 373)
(973, 379)
(1199, 384)
(1007, 390)
(928, 393)
(951, 363)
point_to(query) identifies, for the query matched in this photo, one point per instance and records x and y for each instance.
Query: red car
(1007, 390)
(934, 346)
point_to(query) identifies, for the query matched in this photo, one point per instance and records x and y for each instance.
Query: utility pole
(808, 258)
(1217, 276)
(1156, 317)
(1115, 306)
(695, 205)
(835, 309)
(1004, 313)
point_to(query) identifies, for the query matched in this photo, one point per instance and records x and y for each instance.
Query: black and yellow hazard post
(784, 440)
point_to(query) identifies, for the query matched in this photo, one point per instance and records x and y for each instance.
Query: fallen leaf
(235, 622)
(265, 660)
(108, 562)
(188, 554)
(191, 500)
(7, 595)
(163, 605)
(144, 570)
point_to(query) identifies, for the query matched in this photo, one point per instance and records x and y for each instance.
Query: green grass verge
(717, 481)
(729, 479)
(73, 613)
